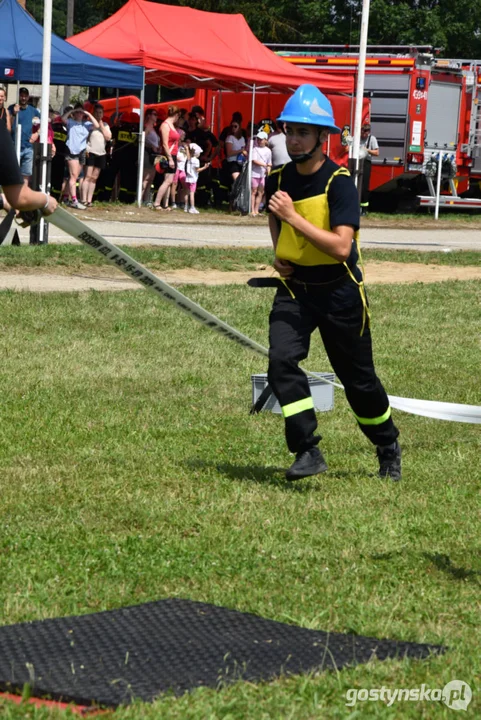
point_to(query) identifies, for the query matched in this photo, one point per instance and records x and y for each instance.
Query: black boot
(390, 461)
(309, 462)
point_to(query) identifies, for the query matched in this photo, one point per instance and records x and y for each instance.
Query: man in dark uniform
(124, 159)
(314, 222)
(16, 194)
(59, 166)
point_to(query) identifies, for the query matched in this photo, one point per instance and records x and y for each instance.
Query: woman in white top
(152, 142)
(96, 155)
(235, 150)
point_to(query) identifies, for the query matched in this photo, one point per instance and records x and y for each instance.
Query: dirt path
(107, 278)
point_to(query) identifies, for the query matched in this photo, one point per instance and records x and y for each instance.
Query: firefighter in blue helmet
(314, 222)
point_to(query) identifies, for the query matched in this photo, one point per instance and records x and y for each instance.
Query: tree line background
(454, 25)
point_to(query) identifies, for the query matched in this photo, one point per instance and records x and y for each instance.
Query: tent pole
(141, 146)
(18, 129)
(46, 58)
(360, 87)
(69, 30)
(251, 147)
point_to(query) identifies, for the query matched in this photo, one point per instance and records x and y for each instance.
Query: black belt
(278, 283)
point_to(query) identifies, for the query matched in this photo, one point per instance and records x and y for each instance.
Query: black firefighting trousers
(338, 314)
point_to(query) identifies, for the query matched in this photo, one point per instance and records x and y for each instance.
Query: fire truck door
(442, 118)
(389, 114)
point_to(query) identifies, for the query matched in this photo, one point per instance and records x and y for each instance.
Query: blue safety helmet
(309, 105)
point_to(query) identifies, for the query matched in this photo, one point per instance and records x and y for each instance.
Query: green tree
(454, 25)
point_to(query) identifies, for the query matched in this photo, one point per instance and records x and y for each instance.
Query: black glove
(28, 218)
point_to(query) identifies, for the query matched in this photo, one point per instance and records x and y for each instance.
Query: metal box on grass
(322, 393)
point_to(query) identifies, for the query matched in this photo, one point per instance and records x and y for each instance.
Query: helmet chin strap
(298, 159)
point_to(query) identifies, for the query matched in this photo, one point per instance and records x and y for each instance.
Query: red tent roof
(183, 47)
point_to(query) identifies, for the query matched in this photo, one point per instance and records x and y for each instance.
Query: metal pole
(140, 163)
(251, 147)
(69, 31)
(18, 129)
(46, 57)
(438, 186)
(18, 140)
(360, 87)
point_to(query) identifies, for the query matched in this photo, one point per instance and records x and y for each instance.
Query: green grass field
(131, 471)
(72, 257)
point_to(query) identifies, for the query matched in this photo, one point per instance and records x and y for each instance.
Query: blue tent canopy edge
(21, 53)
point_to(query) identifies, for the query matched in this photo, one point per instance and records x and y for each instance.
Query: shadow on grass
(261, 474)
(443, 562)
(440, 561)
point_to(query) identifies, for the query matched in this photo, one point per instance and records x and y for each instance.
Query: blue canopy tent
(21, 51)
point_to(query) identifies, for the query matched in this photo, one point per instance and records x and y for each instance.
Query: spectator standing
(179, 177)
(261, 166)
(59, 170)
(36, 133)
(235, 150)
(170, 137)
(277, 145)
(96, 155)
(369, 148)
(237, 119)
(152, 145)
(23, 114)
(192, 170)
(5, 117)
(202, 136)
(78, 130)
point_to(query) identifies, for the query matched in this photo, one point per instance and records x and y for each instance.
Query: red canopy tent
(183, 47)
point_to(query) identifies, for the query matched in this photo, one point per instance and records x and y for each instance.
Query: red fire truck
(423, 110)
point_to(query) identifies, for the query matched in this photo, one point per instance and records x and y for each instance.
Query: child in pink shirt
(261, 165)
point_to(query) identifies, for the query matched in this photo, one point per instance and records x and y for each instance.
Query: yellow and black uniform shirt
(342, 208)
(60, 137)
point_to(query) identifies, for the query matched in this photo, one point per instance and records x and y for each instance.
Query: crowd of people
(185, 164)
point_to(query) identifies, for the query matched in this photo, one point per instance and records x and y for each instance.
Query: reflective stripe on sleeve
(298, 407)
(374, 421)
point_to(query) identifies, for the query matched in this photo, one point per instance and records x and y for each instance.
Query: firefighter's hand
(50, 207)
(283, 267)
(282, 206)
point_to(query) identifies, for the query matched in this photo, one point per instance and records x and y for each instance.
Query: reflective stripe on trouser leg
(350, 355)
(375, 420)
(290, 327)
(297, 407)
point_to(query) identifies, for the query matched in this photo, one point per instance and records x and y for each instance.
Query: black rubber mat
(110, 658)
